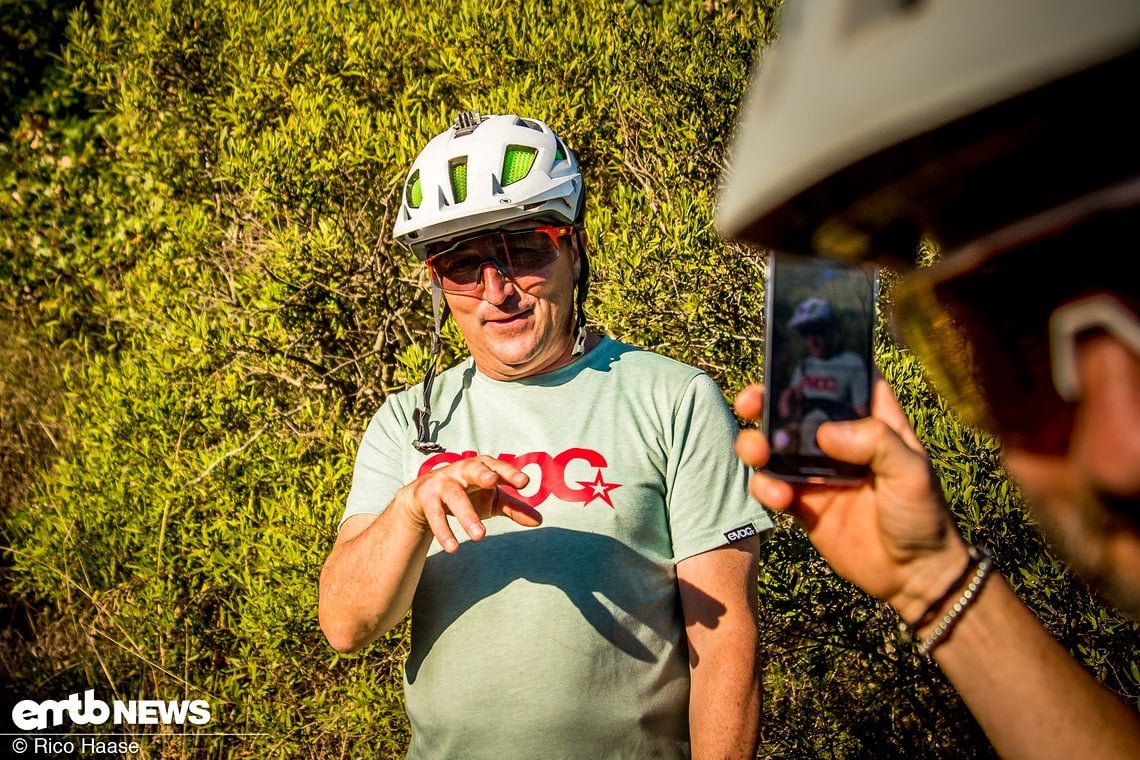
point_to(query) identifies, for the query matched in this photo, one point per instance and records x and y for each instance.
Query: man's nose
(496, 284)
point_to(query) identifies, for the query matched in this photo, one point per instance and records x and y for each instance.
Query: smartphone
(818, 360)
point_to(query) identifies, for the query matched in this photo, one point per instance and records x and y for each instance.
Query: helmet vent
(517, 163)
(414, 191)
(528, 124)
(457, 171)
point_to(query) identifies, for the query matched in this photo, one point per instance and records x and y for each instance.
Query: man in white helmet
(562, 513)
(829, 383)
(1003, 131)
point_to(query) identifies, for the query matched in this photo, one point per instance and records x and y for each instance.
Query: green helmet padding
(517, 163)
(415, 191)
(458, 173)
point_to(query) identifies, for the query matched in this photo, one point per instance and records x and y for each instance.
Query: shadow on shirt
(586, 567)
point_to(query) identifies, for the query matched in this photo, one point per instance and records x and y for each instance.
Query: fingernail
(476, 530)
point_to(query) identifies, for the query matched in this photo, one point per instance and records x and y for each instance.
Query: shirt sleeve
(708, 500)
(379, 469)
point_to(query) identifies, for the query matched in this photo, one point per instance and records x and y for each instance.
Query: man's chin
(518, 354)
(519, 359)
(1100, 539)
(1122, 574)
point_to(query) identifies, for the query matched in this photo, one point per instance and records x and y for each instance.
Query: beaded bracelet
(972, 559)
(968, 596)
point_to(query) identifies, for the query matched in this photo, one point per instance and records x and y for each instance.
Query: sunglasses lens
(980, 320)
(458, 272)
(529, 252)
(984, 339)
(518, 254)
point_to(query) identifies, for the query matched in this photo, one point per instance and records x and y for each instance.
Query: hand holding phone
(819, 347)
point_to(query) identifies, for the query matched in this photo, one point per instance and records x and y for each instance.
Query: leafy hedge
(203, 306)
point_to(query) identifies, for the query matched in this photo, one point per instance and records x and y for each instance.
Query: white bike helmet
(480, 174)
(871, 124)
(812, 310)
(484, 172)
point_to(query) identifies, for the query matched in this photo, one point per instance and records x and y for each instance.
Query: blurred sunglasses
(518, 255)
(997, 325)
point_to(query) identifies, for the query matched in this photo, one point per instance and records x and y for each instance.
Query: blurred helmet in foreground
(872, 123)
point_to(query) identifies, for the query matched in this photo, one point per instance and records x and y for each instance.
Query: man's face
(1001, 347)
(816, 343)
(514, 332)
(1088, 499)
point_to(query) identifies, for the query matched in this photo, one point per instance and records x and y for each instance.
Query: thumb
(505, 502)
(867, 441)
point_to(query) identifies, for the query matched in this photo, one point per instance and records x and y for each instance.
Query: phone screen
(818, 360)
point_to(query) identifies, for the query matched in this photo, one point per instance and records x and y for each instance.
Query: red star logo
(601, 489)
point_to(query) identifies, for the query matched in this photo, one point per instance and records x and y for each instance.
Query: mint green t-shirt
(566, 640)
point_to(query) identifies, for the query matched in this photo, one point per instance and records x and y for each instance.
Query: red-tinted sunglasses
(519, 255)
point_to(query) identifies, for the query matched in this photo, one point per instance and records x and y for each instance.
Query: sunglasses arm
(1069, 321)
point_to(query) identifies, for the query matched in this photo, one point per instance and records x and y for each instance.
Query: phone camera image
(819, 349)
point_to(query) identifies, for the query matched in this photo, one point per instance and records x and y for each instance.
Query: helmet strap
(580, 332)
(422, 414)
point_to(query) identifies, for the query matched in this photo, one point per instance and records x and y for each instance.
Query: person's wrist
(933, 578)
(404, 507)
(936, 627)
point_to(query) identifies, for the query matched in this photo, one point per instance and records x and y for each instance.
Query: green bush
(204, 306)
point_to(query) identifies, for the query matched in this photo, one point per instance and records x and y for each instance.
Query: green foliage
(204, 306)
(31, 32)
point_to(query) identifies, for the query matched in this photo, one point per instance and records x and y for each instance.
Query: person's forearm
(368, 581)
(1029, 695)
(725, 694)
(784, 403)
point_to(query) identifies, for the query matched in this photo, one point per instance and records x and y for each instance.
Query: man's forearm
(725, 694)
(1029, 695)
(718, 595)
(369, 579)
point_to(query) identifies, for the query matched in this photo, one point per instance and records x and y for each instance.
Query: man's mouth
(1125, 510)
(510, 319)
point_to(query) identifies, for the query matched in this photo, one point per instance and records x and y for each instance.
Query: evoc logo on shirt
(552, 475)
(744, 531)
(823, 384)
